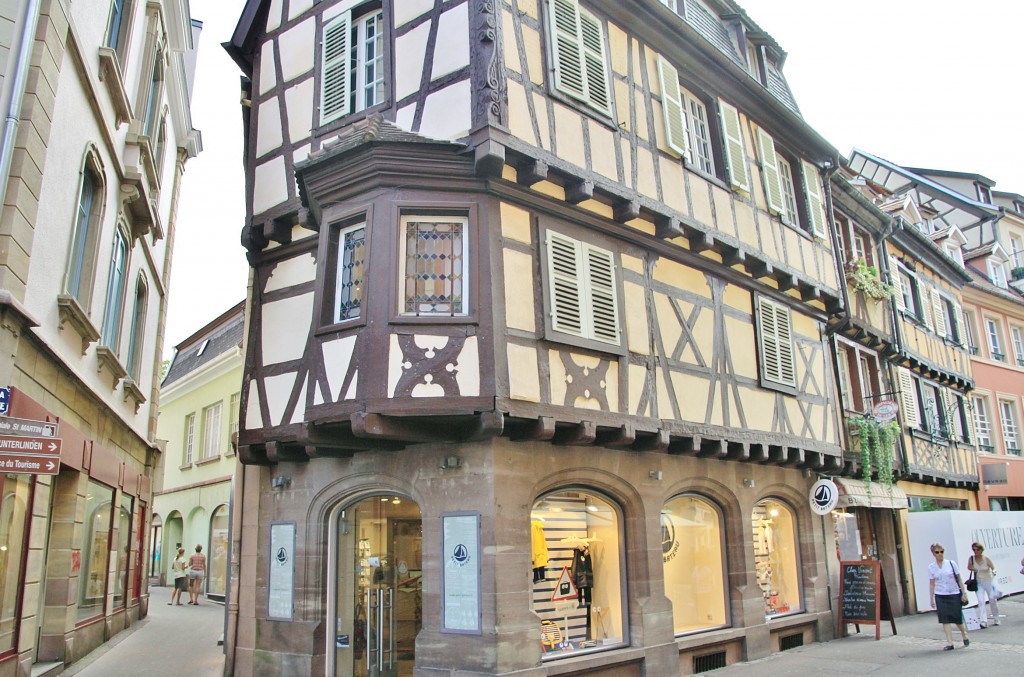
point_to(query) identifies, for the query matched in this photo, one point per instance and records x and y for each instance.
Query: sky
(923, 83)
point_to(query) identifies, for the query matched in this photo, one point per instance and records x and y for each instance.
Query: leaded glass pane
(351, 255)
(434, 275)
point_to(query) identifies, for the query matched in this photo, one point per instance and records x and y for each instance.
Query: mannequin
(582, 572)
(540, 551)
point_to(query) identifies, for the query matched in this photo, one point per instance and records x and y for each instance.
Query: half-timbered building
(537, 365)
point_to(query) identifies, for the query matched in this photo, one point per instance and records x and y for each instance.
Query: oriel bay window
(692, 552)
(578, 573)
(434, 254)
(347, 245)
(776, 560)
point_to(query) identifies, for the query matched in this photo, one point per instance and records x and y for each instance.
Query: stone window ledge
(73, 314)
(108, 361)
(110, 75)
(133, 392)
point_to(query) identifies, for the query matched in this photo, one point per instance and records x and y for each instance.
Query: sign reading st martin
(26, 427)
(39, 446)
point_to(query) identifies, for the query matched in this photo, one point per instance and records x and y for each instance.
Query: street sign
(565, 589)
(27, 463)
(5, 400)
(39, 446)
(27, 427)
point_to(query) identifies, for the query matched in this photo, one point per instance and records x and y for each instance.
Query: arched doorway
(378, 587)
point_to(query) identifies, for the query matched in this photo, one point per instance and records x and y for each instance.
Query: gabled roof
(203, 347)
(990, 249)
(950, 233)
(968, 176)
(372, 129)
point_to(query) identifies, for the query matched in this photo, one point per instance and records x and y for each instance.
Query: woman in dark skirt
(948, 594)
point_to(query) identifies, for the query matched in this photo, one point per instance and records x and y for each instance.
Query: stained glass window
(351, 259)
(434, 272)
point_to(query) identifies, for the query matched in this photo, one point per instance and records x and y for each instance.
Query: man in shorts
(196, 571)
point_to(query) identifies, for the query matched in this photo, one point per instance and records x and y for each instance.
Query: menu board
(862, 595)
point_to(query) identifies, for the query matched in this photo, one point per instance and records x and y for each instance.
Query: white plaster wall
(284, 338)
(268, 127)
(468, 374)
(270, 185)
(447, 112)
(291, 272)
(407, 10)
(410, 50)
(453, 34)
(253, 417)
(268, 67)
(297, 7)
(297, 47)
(278, 389)
(337, 358)
(274, 15)
(405, 116)
(299, 103)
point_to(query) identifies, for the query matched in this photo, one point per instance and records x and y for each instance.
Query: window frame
(113, 307)
(212, 433)
(118, 27)
(89, 556)
(562, 45)
(997, 273)
(723, 553)
(188, 447)
(993, 333)
(137, 329)
(584, 336)
(339, 274)
(83, 252)
(982, 422)
(1017, 340)
(1009, 426)
(407, 216)
(346, 68)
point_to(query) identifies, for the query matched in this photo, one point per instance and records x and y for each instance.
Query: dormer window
(1018, 206)
(997, 273)
(955, 252)
(984, 194)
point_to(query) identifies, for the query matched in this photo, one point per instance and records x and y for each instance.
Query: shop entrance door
(379, 588)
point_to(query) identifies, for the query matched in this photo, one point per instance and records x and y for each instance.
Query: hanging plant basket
(877, 442)
(867, 279)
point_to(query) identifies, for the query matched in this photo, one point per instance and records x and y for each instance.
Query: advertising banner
(1002, 534)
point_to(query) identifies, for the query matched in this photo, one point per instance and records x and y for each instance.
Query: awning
(855, 494)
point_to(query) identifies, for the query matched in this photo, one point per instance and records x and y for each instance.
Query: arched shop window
(218, 549)
(775, 557)
(691, 548)
(578, 573)
(13, 533)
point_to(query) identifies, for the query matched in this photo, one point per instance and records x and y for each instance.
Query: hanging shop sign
(824, 497)
(885, 411)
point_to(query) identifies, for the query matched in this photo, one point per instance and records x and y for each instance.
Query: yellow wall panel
(739, 298)
(673, 184)
(742, 347)
(515, 223)
(519, 121)
(758, 407)
(791, 249)
(634, 263)
(550, 189)
(534, 55)
(637, 374)
(557, 372)
(509, 173)
(643, 225)
(602, 150)
(806, 326)
(646, 183)
(746, 229)
(520, 311)
(523, 381)
(663, 398)
(618, 48)
(637, 323)
(569, 135)
(668, 326)
(511, 50)
(769, 241)
(725, 221)
(540, 109)
(692, 393)
(683, 277)
(807, 256)
(701, 202)
(703, 332)
(641, 120)
(529, 8)
(598, 208)
(626, 153)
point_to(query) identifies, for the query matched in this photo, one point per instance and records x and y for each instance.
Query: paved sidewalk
(915, 651)
(170, 641)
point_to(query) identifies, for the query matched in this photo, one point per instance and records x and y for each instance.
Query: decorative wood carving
(432, 367)
(585, 382)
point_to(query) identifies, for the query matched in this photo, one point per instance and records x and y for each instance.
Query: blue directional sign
(5, 400)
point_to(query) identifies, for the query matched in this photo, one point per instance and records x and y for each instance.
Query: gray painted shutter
(672, 107)
(770, 172)
(815, 205)
(565, 266)
(735, 158)
(334, 71)
(595, 63)
(908, 397)
(601, 291)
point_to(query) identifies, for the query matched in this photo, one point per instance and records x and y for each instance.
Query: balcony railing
(973, 349)
(1012, 448)
(1020, 361)
(998, 356)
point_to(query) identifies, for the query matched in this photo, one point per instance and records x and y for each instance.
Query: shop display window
(691, 549)
(92, 577)
(218, 573)
(775, 557)
(578, 573)
(13, 522)
(124, 528)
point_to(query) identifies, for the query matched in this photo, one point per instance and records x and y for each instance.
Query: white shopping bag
(971, 619)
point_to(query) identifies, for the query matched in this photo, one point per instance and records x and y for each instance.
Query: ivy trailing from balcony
(877, 442)
(867, 279)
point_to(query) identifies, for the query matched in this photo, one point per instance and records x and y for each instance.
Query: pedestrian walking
(946, 588)
(985, 573)
(179, 568)
(196, 572)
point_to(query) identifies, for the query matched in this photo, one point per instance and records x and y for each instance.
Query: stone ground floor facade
(501, 557)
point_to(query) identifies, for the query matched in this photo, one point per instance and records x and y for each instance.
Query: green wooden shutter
(815, 205)
(897, 282)
(334, 71)
(672, 106)
(565, 267)
(770, 172)
(598, 90)
(776, 338)
(602, 297)
(736, 160)
(908, 397)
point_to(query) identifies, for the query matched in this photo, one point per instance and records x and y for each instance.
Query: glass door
(379, 583)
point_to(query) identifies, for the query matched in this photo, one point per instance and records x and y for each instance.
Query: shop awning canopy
(856, 494)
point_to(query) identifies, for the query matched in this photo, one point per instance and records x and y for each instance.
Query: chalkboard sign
(862, 596)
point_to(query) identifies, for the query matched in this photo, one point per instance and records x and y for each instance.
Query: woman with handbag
(948, 595)
(983, 574)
